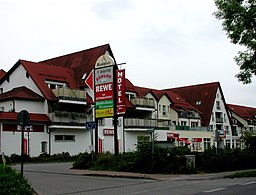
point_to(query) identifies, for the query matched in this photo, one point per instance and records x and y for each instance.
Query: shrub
(12, 182)
(84, 161)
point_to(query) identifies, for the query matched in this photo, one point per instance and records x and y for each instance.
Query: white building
(60, 103)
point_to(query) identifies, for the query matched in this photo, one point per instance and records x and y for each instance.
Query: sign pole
(23, 119)
(115, 113)
(22, 145)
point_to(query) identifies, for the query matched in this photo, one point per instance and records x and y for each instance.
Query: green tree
(249, 138)
(239, 21)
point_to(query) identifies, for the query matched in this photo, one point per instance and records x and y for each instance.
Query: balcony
(71, 120)
(219, 120)
(180, 127)
(72, 96)
(140, 123)
(135, 123)
(143, 104)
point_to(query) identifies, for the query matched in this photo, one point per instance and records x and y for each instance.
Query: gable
(201, 96)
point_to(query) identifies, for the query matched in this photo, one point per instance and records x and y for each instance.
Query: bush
(12, 182)
(84, 161)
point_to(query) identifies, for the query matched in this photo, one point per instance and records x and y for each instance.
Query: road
(53, 179)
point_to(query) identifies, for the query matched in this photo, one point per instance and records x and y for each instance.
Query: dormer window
(198, 103)
(55, 85)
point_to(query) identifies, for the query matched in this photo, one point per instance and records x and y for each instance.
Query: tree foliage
(249, 138)
(239, 21)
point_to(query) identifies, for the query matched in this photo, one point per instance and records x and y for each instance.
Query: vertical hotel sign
(120, 92)
(104, 87)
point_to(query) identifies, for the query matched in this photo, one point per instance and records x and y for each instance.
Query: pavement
(66, 169)
(159, 177)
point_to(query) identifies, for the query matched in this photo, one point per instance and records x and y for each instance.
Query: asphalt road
(53, 179)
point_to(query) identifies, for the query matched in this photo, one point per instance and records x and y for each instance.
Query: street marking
(215, 190)
(244, 184)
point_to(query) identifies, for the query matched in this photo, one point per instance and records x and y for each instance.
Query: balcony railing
(135, 123)
(70, 94)
(140, 123)
(68, 118)
(143, 102)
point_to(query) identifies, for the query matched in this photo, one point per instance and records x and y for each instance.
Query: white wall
(18, 79)
(19, 105)
(11, 144)
(81, 143)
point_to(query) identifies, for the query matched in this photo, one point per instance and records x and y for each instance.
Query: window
(218, 105)
(198, 103)
(207, 143)
(234, 131)
(194, 124)
(43, 147)
(159, 108)
(1, 90)
(55, 85)
(228, 144)
(227, 130)
(183, 123)
(164, 110)
(64, 138)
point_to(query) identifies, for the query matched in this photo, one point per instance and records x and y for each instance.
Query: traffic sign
(90, 125)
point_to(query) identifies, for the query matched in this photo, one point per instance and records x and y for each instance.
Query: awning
(197, 139)
(183, 140)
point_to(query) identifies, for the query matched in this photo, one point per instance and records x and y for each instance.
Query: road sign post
(23, 120)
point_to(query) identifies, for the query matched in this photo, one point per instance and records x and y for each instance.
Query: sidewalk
(159, 177)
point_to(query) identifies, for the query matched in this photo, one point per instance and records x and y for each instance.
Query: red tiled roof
(206, 93)
(80, 62)
(12, 116)
(176, 100)
(41, 72)
(20, 93)
(248, 113)
(2, 73)
(129, 86)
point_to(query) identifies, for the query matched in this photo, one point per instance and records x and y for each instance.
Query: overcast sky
(164, 43)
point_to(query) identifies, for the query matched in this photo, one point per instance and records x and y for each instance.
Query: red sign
(120, 92)
(172, 135)
(25, 146)
(197, 139)
(89, 80)
(108, 132)
(104, 92)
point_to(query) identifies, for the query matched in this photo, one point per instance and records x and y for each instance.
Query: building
(59, 102)
(243, 119)
(209, 99)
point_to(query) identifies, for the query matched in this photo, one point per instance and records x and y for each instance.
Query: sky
(164, 43)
